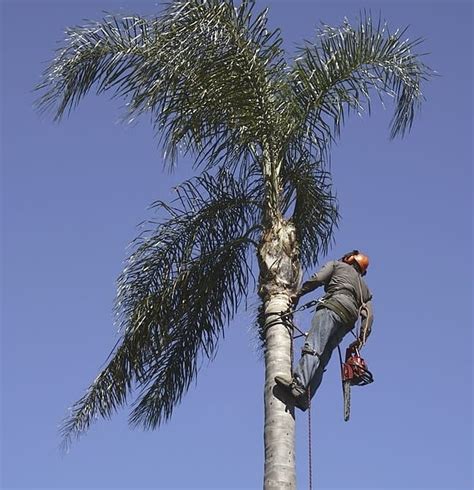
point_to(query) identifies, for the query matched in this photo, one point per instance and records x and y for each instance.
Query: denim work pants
(327, 331)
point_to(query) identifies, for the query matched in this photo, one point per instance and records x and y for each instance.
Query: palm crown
(218, 87)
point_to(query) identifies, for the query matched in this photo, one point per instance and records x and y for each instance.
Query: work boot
(297, 392)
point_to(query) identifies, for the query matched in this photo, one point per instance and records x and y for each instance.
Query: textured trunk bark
(279, 430)
(279, 278)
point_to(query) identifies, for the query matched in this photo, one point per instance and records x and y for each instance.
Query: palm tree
(218, 87)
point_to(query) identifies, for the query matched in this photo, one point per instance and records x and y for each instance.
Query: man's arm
(318, 279)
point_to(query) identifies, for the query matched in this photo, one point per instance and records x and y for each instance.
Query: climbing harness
(286, 317)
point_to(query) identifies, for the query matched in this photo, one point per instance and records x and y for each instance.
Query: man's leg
(333, 342)
(335, 339)
(324, 325)
(327, 331)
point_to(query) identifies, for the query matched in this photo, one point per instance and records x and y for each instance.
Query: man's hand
(294, 298)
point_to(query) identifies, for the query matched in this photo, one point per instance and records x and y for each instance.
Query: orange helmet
(358, 257)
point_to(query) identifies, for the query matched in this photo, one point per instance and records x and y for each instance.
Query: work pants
(327, 331)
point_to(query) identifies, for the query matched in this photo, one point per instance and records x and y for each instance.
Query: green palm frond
(182, 285)
(337, 74)
(205, 70)
(307, 193)
(100, 54)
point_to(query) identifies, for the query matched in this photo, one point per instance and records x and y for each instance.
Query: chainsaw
(354, 372)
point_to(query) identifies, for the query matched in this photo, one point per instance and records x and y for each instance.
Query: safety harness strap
(363, 307)
(307, 350)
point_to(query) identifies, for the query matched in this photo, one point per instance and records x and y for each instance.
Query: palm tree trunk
(279, 429)
(279, 278)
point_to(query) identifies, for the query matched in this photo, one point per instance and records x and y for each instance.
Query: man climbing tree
(347, 296)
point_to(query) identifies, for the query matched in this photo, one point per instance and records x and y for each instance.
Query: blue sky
(72, 197)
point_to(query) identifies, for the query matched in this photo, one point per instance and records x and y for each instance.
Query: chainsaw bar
(346, 393)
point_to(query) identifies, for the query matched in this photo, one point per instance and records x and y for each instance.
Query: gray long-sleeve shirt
(344, 284)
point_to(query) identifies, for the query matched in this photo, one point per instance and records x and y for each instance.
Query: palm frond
(307, 192)
(337, 75)
(182, 285)
(225, 63)
(100, 54)
(205, 70)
